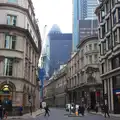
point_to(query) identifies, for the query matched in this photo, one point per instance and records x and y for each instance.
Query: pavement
(61, 114)
(27, 116)
(100, 113)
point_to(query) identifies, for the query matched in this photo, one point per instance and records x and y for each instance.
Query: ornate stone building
(20, 48)
(83, 75)
(109, 41)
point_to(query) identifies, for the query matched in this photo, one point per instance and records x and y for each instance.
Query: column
(105, 89)
(111, 92)
(108, 93)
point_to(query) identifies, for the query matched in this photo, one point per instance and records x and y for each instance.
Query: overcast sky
(51, 12)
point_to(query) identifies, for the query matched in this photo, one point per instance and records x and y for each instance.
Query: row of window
(89, 48)
(12, 20)
(115, 63)
(10, 43)
(90, 59)
(107, 26)
(106, 9)
(8, 67)
(110, 43)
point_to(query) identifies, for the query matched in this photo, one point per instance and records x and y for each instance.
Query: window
(114, 17)
(108, 24)
(10, 41)
(27, 26)
(90, 59)
(113, 3)
(8, 66)
(95, 46)
(116, 81)
(86, 48)
(104, 47)
(103, 31)
(109, 43)
(11, 20)
(102, 68)
(116, 62)
(100, 49)
(95, 58)
(103, 13)
(90, 47)
(119, 14)
(108, 6)
(12, 1)
(82, 53)
(115, 38)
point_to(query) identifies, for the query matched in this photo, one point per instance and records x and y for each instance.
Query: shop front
(116, 94)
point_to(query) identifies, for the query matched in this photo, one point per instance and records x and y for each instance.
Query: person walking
(82, 110)
(106, 110)
(21, 110)
(47, 110)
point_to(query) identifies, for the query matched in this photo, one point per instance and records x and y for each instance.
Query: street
(56, 114)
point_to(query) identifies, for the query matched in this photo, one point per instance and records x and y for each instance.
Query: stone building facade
(83, 76)
(80, 83)
(55, 90)
(20, 48)
(108, 13)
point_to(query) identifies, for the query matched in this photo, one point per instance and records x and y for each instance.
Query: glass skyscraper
(82, 10)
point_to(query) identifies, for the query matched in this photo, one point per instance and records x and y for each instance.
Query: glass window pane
(11, 20)
(13, 1)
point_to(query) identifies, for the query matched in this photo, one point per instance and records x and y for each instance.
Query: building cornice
(86, 39)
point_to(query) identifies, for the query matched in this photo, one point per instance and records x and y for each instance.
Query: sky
(50, 12)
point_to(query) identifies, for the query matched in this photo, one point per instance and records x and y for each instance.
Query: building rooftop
(55, 29)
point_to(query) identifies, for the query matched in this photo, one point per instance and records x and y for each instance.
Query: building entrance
(6, 97)
(93, 100)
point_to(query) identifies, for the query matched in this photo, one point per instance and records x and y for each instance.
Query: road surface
(60, 114)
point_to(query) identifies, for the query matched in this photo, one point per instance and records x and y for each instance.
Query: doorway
(93, 100)
(6, 97)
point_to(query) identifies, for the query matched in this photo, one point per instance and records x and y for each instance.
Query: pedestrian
(106, 110)
(21, 110)
(47, 110)
(96, 108)
(1, 111)
(5, 113)
(79, 110)
(82, 110)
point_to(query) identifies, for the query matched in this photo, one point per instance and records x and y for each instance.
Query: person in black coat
(106, 110)
(82, 110)
(47, 111)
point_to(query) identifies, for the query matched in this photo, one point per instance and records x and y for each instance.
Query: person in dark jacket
(79, 110)
(47, 111)
(82, 110)
(106, 110)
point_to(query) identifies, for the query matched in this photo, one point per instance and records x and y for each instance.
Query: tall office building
(91, 6)
(58, 50)
(82, 10)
